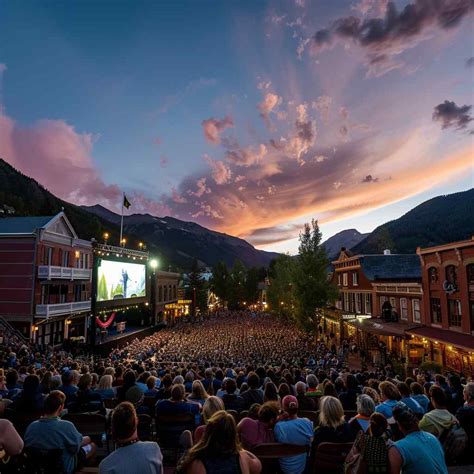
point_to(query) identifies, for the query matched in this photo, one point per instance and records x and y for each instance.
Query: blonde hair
(199, 391)
(105, 382)
(109, 371)
(212, 405)
(331, 412)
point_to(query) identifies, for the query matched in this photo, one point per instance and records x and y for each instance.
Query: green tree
(280, 293)
(102, 293)
(197, 288)
(220, 281)
(311, 284)
(252, 278)
(237, 285)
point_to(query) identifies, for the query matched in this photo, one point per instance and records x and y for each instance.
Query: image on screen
(119, 280)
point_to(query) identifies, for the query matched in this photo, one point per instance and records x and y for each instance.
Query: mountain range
(176, 243)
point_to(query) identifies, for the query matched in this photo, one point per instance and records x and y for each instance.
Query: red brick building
(448, 316)
(380, 297)
(45, 277)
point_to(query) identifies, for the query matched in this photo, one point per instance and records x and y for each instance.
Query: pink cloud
(269, 103)
(157, 141)
(213, 128)
(220, 172)
(59, 157)
(163, 161)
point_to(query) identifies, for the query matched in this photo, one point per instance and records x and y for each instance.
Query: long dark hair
(220, 439)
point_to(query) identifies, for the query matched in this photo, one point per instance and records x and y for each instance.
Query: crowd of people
(243, 379)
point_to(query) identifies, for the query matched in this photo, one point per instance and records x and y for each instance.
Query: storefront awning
(463, 341)
(378, 326)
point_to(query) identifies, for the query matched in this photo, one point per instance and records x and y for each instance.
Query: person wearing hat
(293, 430)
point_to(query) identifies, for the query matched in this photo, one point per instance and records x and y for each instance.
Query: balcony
(48, 310)
(65, 273)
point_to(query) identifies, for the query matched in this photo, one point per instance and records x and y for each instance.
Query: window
(355, 279)
(433, 275)
(165, 298)
(368, 303)
(346, 301)
(435, 304)
(451, 274)
(416, 311)
(470, 274)
(160, 293)
(393, 302)
(404, 308)
(65, 259)
(454, 313)
(339, 279)
(48, 256)
(344, 279)
(358, 303)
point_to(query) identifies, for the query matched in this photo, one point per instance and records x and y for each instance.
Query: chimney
(387, 252)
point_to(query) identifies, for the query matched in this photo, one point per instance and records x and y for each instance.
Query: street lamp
(154, 264)
(123, 242)
(106, 236)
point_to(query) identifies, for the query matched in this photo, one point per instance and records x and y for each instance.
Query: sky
(248, 117)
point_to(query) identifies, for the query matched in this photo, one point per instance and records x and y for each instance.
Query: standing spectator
(348, 397)
(219, 451)
(50, 432)
(439, 419)
(293, 430)
(456, 395)
(418, 452)
(131, 455)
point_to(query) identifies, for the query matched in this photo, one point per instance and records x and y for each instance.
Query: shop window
(433, 275)
(355, 279)
(435, 304)
(454, 313)
(416, 311)
(403, 308)
(344, 279)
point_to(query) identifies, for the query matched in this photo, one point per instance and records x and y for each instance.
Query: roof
(465, 341)
(23, 225)
(391, 267)
(379, 326)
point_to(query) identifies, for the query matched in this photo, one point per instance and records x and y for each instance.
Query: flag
(126, 202)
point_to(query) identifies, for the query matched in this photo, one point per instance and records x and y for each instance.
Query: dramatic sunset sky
(249, 117)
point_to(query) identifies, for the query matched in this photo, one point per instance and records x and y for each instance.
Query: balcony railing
(48, 310)
(67, 273)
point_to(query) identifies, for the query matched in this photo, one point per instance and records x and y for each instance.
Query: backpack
(454, 442)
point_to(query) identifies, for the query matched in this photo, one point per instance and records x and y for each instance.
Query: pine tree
(197, 288)
(221, 282)
(311, 284)
(102, 293)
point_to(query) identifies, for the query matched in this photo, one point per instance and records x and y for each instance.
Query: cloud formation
(452, 116)
(213, 128)
(385, 38)
(269, 103)
(220, 172)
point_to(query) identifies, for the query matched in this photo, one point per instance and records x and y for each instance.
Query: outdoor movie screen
(119, 280)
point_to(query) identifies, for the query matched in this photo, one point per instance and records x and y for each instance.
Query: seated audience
(418, 452)
(253, 432)
(198, 393)
(408, 400)
(30, 399)
(417, 394)
(365, 408)
(465, 416)
(219, 451)
(439, 419)
(293, 430)
(348, 397)
(10, 440)
(304, 402)
(131, 454)
(104, 389)
(390, 396)
(50, 432)
(68, 387)
(176, 405)
(253, 394)
(212, 405)
(231, 400)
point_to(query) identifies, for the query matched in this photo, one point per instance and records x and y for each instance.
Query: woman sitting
(219, 451)
(365, 408)
(254, 432)
(333, 427)
(105, 389)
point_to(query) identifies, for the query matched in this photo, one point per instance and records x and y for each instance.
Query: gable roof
(391, 267)
(23, 225)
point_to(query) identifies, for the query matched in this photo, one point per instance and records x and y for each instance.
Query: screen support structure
(95, 266)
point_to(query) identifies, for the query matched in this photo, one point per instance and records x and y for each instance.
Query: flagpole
(121, 221)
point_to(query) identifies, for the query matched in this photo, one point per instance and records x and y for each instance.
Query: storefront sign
(347, 317)
(185, 301)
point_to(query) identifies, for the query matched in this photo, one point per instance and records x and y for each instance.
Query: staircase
(9, 330)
